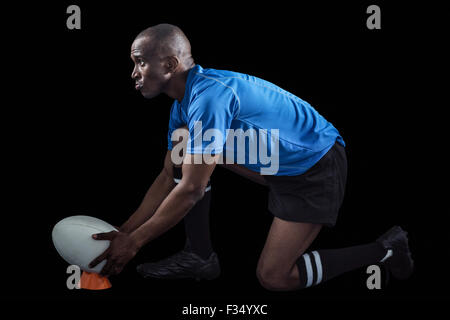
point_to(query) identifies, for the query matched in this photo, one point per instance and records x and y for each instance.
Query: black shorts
(314, 196)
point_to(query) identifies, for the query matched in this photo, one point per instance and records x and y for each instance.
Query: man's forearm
(174, 207)
(155, 195)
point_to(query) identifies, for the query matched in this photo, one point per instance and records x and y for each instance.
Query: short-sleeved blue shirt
(254, 122)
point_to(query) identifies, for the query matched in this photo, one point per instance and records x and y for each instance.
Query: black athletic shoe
(182, 265)
(400, 264)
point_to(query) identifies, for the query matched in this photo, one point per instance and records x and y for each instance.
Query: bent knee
(274, 280)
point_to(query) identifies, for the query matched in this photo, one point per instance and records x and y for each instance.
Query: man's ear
(171, 64)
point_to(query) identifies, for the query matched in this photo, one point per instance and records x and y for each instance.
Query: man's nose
(135, 74)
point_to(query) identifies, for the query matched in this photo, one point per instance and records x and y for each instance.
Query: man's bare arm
(155, 195)
(177, 204)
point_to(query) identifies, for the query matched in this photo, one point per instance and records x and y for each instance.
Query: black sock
(322, 265)
(196, 223)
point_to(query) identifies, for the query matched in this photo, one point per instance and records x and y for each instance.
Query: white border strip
(179, 180)
(318, 266)
(309, 272)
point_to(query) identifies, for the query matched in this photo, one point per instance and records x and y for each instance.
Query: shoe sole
(209, 275)
(206, 276)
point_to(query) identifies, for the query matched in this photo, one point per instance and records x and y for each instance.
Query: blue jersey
(251, 122)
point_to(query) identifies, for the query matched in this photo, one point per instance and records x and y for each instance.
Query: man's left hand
(122, 249)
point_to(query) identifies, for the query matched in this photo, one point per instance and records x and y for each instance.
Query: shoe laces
(179, 258)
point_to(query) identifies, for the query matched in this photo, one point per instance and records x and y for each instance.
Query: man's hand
(121, 250)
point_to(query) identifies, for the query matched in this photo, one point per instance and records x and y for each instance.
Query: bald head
(165, 40)
(162, 60)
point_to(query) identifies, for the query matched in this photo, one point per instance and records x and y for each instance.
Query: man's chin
(149, 95)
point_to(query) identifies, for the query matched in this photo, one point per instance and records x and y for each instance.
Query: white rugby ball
(73, 240)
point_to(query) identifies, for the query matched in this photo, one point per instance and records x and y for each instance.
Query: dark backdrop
(83, 141)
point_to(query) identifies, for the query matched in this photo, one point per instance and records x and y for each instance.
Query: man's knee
(273, 279)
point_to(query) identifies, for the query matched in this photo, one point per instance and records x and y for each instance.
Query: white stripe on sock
(387, 256)
(179, 180)
(318, 266)
(309, 272)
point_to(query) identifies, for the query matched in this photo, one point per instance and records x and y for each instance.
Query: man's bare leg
(284, 265)
(285, 243)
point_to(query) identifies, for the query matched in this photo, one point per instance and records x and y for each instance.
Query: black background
(81, 140)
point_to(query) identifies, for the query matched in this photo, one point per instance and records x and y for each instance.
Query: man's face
(148, 73)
